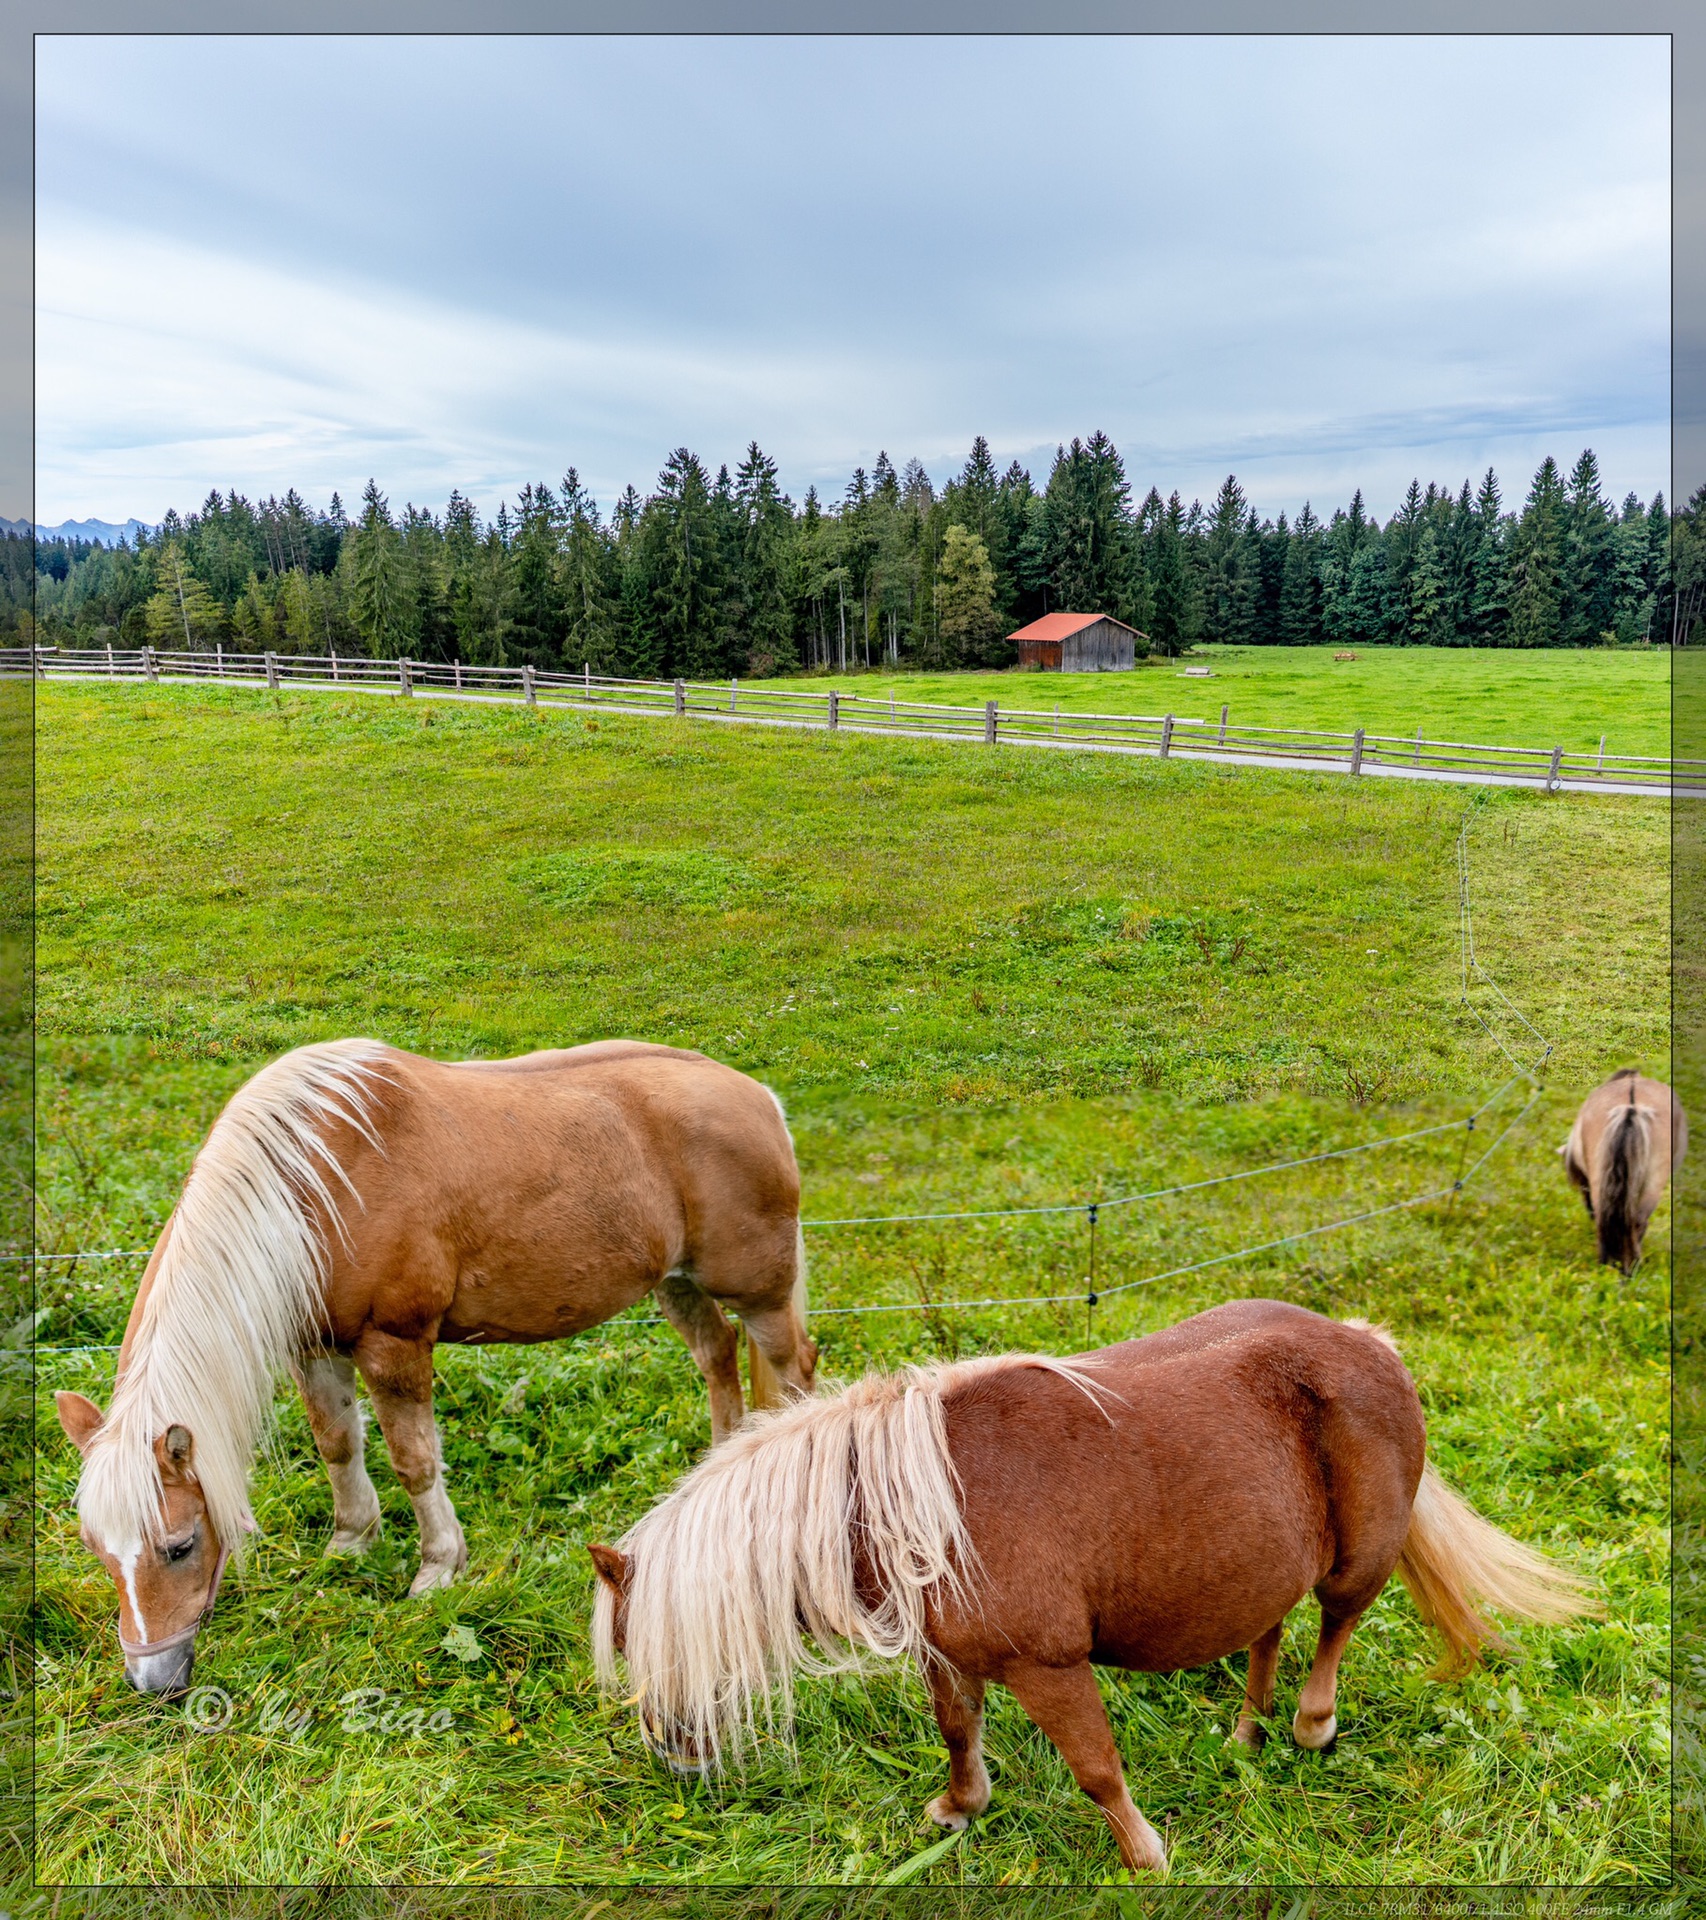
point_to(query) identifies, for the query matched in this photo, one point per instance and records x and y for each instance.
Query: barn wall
(1040, 653)
(1103, 648)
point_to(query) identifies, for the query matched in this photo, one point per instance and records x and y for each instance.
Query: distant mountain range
(101, 531)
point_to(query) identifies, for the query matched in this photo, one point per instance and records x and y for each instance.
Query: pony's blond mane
(236, 1293)
(744, 1576)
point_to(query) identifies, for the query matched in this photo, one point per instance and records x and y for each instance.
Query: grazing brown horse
(1629, 1136)
(353, 1206)
(1154, 1505)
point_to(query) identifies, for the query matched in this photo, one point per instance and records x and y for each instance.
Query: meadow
(1499, 696)
(977, 981)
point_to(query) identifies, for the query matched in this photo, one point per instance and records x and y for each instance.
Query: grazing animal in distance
(355, 1205)
(1155, 1505)
(1628, 1138)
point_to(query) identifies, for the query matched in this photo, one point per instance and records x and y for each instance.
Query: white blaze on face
(127, 1573)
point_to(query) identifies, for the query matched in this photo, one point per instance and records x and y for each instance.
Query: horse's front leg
(327, 1385)
(399, 1379)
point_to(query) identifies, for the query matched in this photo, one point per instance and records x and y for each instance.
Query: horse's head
(168, 1575)
(674, 1745)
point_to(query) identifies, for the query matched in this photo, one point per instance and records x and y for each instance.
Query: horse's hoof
(432, 1577)
(947, 1815)
(1251, 1735)
(1314, 1736)
(1147, 1854)
(353, 1541)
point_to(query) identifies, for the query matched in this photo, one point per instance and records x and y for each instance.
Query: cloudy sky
(1320, 263)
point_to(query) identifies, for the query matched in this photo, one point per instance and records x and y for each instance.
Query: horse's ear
(176, 1449)
(79, 1417)
(612, 1565)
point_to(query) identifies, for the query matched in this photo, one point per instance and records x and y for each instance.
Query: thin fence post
(681, 696)
(334, 663)
(1225, 709)
(732, 685)
(1166, 736)
(41, 662)
(458, 666)
(219, 656)
(835, 709)
(1356, 751)
(1552, 770)
(1057, 719)
(109, 659)
(586, 677)
(272, 670)
(529, 691)
(991, 721)
(150, 665)
(1417, 761)
(405, 684)
(1599, 764)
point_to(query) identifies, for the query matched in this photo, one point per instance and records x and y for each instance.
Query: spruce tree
(1538, 557)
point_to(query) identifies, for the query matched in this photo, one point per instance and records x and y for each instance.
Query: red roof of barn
(1056, 626)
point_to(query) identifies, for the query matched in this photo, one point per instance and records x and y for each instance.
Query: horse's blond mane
(235, 1295)
(744, 1576)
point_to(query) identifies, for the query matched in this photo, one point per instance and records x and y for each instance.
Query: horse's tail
(745, 1575)
(1455, 1563)
(1624, 1161)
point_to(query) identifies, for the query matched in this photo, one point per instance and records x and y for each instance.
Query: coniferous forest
(710, 576)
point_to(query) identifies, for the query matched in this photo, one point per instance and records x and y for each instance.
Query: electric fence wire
(1471, 973)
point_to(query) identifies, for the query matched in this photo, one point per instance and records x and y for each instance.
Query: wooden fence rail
(1167, 735)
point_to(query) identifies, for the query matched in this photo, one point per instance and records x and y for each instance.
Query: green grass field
(977, 980)
(1486, 697)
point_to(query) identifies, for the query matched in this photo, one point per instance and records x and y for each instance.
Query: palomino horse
(353, 1206)
(1630, 1135)
(1155, 1505)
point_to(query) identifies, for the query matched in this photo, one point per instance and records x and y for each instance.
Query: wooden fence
(1166, 735)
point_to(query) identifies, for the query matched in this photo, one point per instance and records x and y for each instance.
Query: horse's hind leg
(1316, 1720)
(1259, 1689)
(958, 1700)
(713, 1343)
(399, 1377)
(327, 1385)
(1065, 1704)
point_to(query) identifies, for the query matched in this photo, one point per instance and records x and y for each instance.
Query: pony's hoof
(1251, 1735)
(1145, 1854)
(1314, 1735)
(431, 1577)
(353, 1541)
(946, 1814)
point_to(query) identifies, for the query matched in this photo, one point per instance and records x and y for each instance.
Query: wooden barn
(1078, 643)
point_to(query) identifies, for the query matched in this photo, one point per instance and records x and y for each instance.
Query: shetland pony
(1629, 1136)
(1154, 1505)
(353, 1206)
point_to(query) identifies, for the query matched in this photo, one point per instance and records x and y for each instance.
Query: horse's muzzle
(167, 1672)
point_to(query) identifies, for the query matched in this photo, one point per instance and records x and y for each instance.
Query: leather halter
(177, 1639)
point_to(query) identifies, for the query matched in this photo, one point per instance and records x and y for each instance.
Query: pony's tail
(1455, 1563)
(1625, 1157)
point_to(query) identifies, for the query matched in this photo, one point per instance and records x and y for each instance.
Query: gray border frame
(1684, 21)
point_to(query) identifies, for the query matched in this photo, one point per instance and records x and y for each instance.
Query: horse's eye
(180, 1549)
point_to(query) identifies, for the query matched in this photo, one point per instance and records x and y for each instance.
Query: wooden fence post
(1166, 736)
(458, 676)
(334, 663)
(733, 684)
(1417, 761)
(1599, 764)
(404, 682)
(527, 684)
(681, 696)
(219, 656)
(1224, 711)
(990, 722)
(1552, 770)
(1356, 751)
(835, 709)
(272, 670)
(150, 665)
